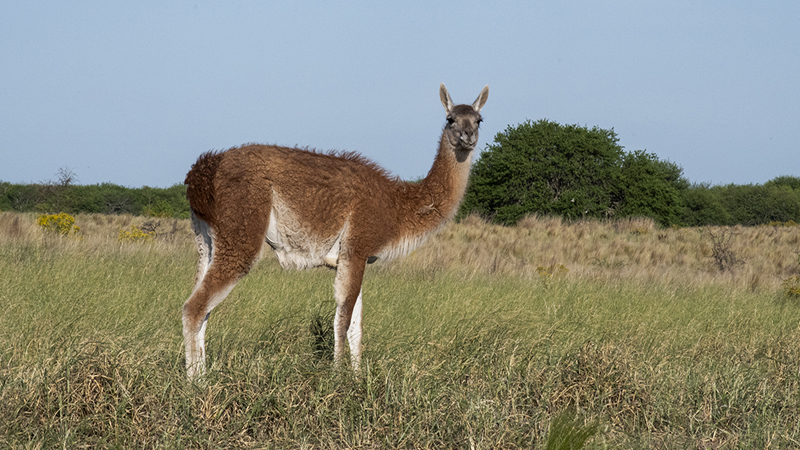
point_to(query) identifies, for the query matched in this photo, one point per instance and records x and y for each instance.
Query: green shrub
(547, 168)
(651, 188)
(568, 170)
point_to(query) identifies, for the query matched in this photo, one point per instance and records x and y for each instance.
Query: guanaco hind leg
(194, 334)
(196, 311)
(223, 262)
(204, 238)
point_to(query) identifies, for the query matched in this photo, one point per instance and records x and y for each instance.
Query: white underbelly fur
(295, 246)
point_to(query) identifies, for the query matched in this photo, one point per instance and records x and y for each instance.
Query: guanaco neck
(441, 191)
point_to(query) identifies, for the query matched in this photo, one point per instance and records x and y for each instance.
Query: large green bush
(651, 188)
(572, 171)
(547, 168)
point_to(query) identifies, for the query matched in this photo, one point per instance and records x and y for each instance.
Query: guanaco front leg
(347, 323)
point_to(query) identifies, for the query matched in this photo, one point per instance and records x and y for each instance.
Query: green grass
(91, 355)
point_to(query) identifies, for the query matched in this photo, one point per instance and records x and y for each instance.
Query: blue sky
(132, 92)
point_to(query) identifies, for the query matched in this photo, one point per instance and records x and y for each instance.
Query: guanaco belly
(295, 246)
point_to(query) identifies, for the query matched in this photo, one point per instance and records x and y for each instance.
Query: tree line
(105, 198)
(572, 171)
(539, 167)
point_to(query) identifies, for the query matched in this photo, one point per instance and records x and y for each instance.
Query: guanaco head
(463, 120)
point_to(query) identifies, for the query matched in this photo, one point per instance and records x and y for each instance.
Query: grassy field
(486, 337)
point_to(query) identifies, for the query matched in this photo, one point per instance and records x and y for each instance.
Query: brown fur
(200, 185)
(317, 196)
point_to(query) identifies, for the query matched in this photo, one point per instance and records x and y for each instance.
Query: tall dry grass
(479, 339)
(635, 250)
(628, 249)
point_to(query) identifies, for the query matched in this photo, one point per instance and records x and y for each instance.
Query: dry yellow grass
(606, 251)
(629, 249)
(98, 232)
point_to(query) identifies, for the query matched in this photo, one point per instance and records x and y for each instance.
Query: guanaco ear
(444, 96)
(481, 100)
